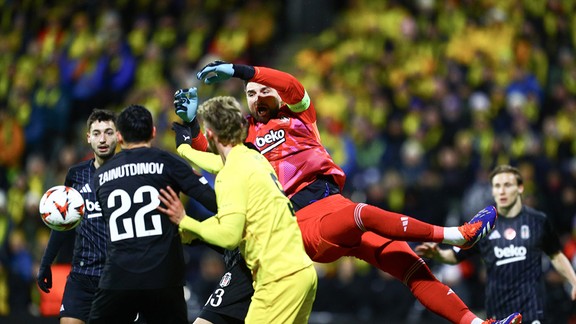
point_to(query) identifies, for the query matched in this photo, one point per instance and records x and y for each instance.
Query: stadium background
(417, 100)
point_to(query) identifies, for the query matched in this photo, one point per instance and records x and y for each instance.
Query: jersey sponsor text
(273, 136)
(510, 254)
(92, 208)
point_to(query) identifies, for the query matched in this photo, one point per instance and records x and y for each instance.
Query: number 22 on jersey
(134, 226)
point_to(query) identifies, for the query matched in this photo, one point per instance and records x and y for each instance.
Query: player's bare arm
(564, 267)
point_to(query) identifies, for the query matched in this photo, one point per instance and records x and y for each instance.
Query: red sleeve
(570, 249)
(199, 143)
(289, 88)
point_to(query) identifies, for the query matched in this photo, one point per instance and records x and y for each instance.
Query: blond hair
(223, 115)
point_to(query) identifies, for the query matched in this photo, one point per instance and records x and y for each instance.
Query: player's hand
(183, 134)
(216, 71)
(428, 250)
(45, 278)
(186, 104)
(174, 208)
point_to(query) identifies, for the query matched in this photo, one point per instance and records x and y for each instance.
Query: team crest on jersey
(225, 281)
(524, 232)
(509, 234)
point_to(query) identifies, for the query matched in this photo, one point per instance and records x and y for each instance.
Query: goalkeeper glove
(186, 104)
(45, 278)
(218, 71)
(183, 133)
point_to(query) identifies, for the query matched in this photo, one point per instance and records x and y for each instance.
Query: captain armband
(302, 105)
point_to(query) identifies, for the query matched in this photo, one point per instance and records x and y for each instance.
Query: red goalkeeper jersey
(291, 142)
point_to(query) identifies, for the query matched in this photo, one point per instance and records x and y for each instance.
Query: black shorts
(156, 306)
(78, 296)
(229, 302)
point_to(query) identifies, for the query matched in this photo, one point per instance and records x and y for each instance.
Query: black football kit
(144, 269)
(512, 253)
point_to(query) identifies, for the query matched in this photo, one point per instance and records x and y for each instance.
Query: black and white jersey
(512, 253)
(91, 235)
(144, 247)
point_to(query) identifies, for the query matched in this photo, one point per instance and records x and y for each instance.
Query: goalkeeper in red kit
(282, 126)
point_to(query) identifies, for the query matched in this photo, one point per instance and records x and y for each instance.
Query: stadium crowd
(418, 101)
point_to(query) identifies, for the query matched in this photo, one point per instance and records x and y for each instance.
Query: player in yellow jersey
(255, 215)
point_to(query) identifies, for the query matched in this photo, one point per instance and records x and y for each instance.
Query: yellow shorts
(288, 300)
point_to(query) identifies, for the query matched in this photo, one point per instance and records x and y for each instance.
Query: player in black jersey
(512, 252)
(144, 269)
(229, 302)
(90, 242)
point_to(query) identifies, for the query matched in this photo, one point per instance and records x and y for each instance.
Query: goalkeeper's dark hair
(135, 123)
(224, 116)
(505, 168)
(100, 115)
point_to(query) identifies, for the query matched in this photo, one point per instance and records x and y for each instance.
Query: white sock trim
(358, 218)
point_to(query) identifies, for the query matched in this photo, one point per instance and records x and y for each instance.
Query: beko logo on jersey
(510, 254)
(92, 208)
(274, 137)
(271, 137)
(92, 205)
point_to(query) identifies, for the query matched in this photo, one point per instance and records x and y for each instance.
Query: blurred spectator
(231, 41)
(165, 34)
(478, 194)
(346, 278)
(5, 230)
(51, 107)
(139, 34)
(21, 276)
(121, 62)
(12, 143)
(414, 161)
(16, 198)
(51, 35)
(454, 173)
(83, 68)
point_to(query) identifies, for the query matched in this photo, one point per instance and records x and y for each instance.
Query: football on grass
(61, 208)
